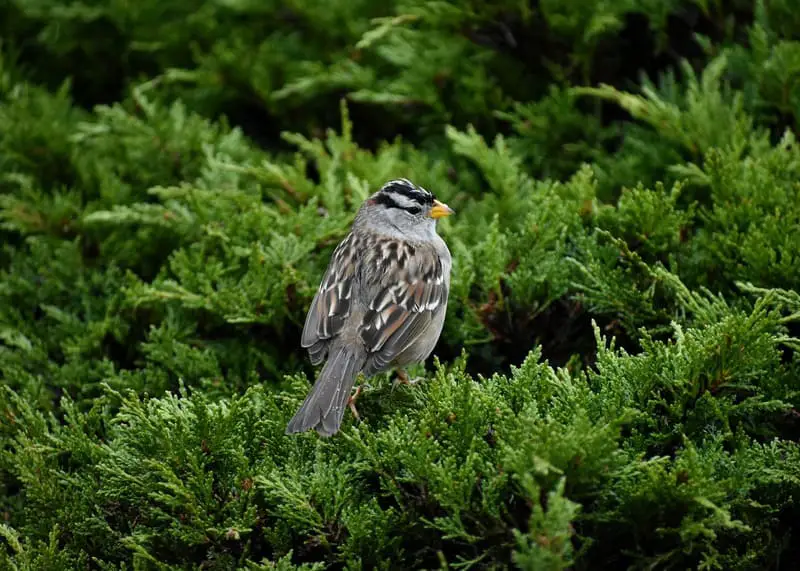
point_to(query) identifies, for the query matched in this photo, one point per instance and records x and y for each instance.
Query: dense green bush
(618, 379)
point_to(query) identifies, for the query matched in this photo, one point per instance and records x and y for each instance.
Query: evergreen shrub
(618, 381)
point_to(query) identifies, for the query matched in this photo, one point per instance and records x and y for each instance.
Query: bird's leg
(351, 402)
(402, 378)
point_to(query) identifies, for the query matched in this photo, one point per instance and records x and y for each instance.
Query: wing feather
(332, 303)
(400, 312)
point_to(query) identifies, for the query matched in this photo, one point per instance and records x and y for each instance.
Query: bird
(381, 302)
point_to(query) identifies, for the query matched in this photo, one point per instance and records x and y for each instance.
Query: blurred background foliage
(617, 382)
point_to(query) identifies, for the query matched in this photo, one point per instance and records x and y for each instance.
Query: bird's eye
(413, 209)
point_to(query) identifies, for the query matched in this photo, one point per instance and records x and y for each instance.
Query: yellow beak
(440, 210)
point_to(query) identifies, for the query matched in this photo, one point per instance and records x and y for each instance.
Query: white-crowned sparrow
(381, 303)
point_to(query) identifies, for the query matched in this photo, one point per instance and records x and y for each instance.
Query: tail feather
(323, 409)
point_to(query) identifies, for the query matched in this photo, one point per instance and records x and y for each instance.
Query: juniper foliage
(618, 379)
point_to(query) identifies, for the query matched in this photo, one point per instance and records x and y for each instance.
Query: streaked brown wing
(332, 303)
(400, 312)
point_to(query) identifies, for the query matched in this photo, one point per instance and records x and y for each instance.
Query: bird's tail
(324, 406)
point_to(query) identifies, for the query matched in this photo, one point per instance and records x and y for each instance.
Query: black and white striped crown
(403, 194)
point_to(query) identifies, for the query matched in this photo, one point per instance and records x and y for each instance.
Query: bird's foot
(402, 379)
(351, 402)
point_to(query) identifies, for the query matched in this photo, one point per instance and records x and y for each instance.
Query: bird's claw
(402, 379)
(351, 402)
